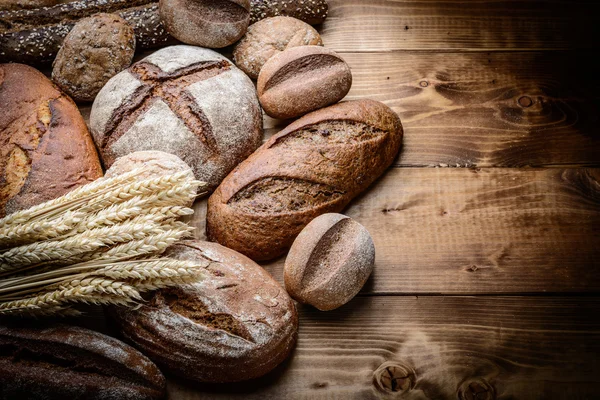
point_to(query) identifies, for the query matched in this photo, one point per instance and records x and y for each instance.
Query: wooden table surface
(487, 227)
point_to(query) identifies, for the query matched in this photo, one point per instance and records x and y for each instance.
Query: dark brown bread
(302, 79)
(310, 11)
(45, 147)
(206, 23)
(34, 36)
(329, 262)
(43, 361)
(314, 166)
(96, 49)
(235, 324)
(271, 36)
(20, 4)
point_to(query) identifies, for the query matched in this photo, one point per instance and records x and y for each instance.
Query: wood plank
(387, 25)
(523, 348)
(478, 231)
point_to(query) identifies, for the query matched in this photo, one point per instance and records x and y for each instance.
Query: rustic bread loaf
(310, 11)
(21, 4)
(302, 79)
(314, 166)
(96, 49)
(329, 262)
(271, 36)
(43, 361)
(206, 23)
(34, 36)
(184, 100)
(45, 147)
(235, 324)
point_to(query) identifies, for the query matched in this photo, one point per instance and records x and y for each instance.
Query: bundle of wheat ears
(100, 244)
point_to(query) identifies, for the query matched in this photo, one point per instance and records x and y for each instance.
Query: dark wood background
(487, 228)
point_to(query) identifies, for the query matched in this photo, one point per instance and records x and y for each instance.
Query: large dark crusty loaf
(42, 361)
(314, 166)
(184, 100)
(235, 324)
(310, 11)
(45, 147)
(34, 36)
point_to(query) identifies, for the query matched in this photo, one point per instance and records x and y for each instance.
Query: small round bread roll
(96, 49)
(153, 163)
(329, 262)
(214, 24)
(271, 36)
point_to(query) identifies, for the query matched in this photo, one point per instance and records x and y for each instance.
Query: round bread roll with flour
(184, 100)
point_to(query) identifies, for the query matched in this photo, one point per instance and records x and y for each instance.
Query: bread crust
(316, 165)
(45, 147)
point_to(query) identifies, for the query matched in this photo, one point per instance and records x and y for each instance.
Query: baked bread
(45, 147)
(184, 100)
(213, 24)
(21, 4)
(34, 36)
(235, 324)
(314, 166)
(271, 36)
(329, 262)
(52, 361)
(312, 12)
(96, 49)
(302, 79)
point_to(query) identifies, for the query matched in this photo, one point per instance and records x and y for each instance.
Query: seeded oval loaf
(310, 11)
(45, 147)
(314, 166)
(235, 324)
(183, 100)
(43, 361)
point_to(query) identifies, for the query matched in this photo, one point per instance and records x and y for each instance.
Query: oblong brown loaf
(20, 4)
(34, 36)
(235, 324)
(314, 166)
(42, 361)
(310, 11)
(302, 79)
(45, 147)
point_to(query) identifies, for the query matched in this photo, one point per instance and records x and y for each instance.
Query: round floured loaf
(235, 324)
(184, 100)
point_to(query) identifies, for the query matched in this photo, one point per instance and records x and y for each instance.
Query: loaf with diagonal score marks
(314, 166)
(183, 100)
(235, 324)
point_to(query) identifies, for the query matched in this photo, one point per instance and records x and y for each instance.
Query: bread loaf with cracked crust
(235, 324)
(314, 166)
(52, 361)
(45, 147)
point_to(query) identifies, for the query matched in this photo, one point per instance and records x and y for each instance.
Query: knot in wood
(476, 389)
(525, 101)
(394, 377)
(423, 83)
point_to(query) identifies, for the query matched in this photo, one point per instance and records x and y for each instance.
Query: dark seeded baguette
(314, 166)
(312, 12)
(34, 36)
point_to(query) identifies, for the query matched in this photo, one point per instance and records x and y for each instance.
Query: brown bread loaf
(34, 36)
(21, 4)
(235, 324)
(96, 49)
(271, 36)
(45, 147)
(206, 23)
(310, 11)
(314, 166)
(329, 262)
(184, 100)
(302, 79)
(42, 361)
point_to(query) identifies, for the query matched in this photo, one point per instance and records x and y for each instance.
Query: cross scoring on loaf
(171, 88)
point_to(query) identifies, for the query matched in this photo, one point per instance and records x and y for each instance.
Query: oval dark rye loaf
(39, 361)
(314, 166)
(34, 36)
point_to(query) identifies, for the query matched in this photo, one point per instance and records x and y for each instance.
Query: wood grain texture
(522, 347)
(388, 25)
(478, 231)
